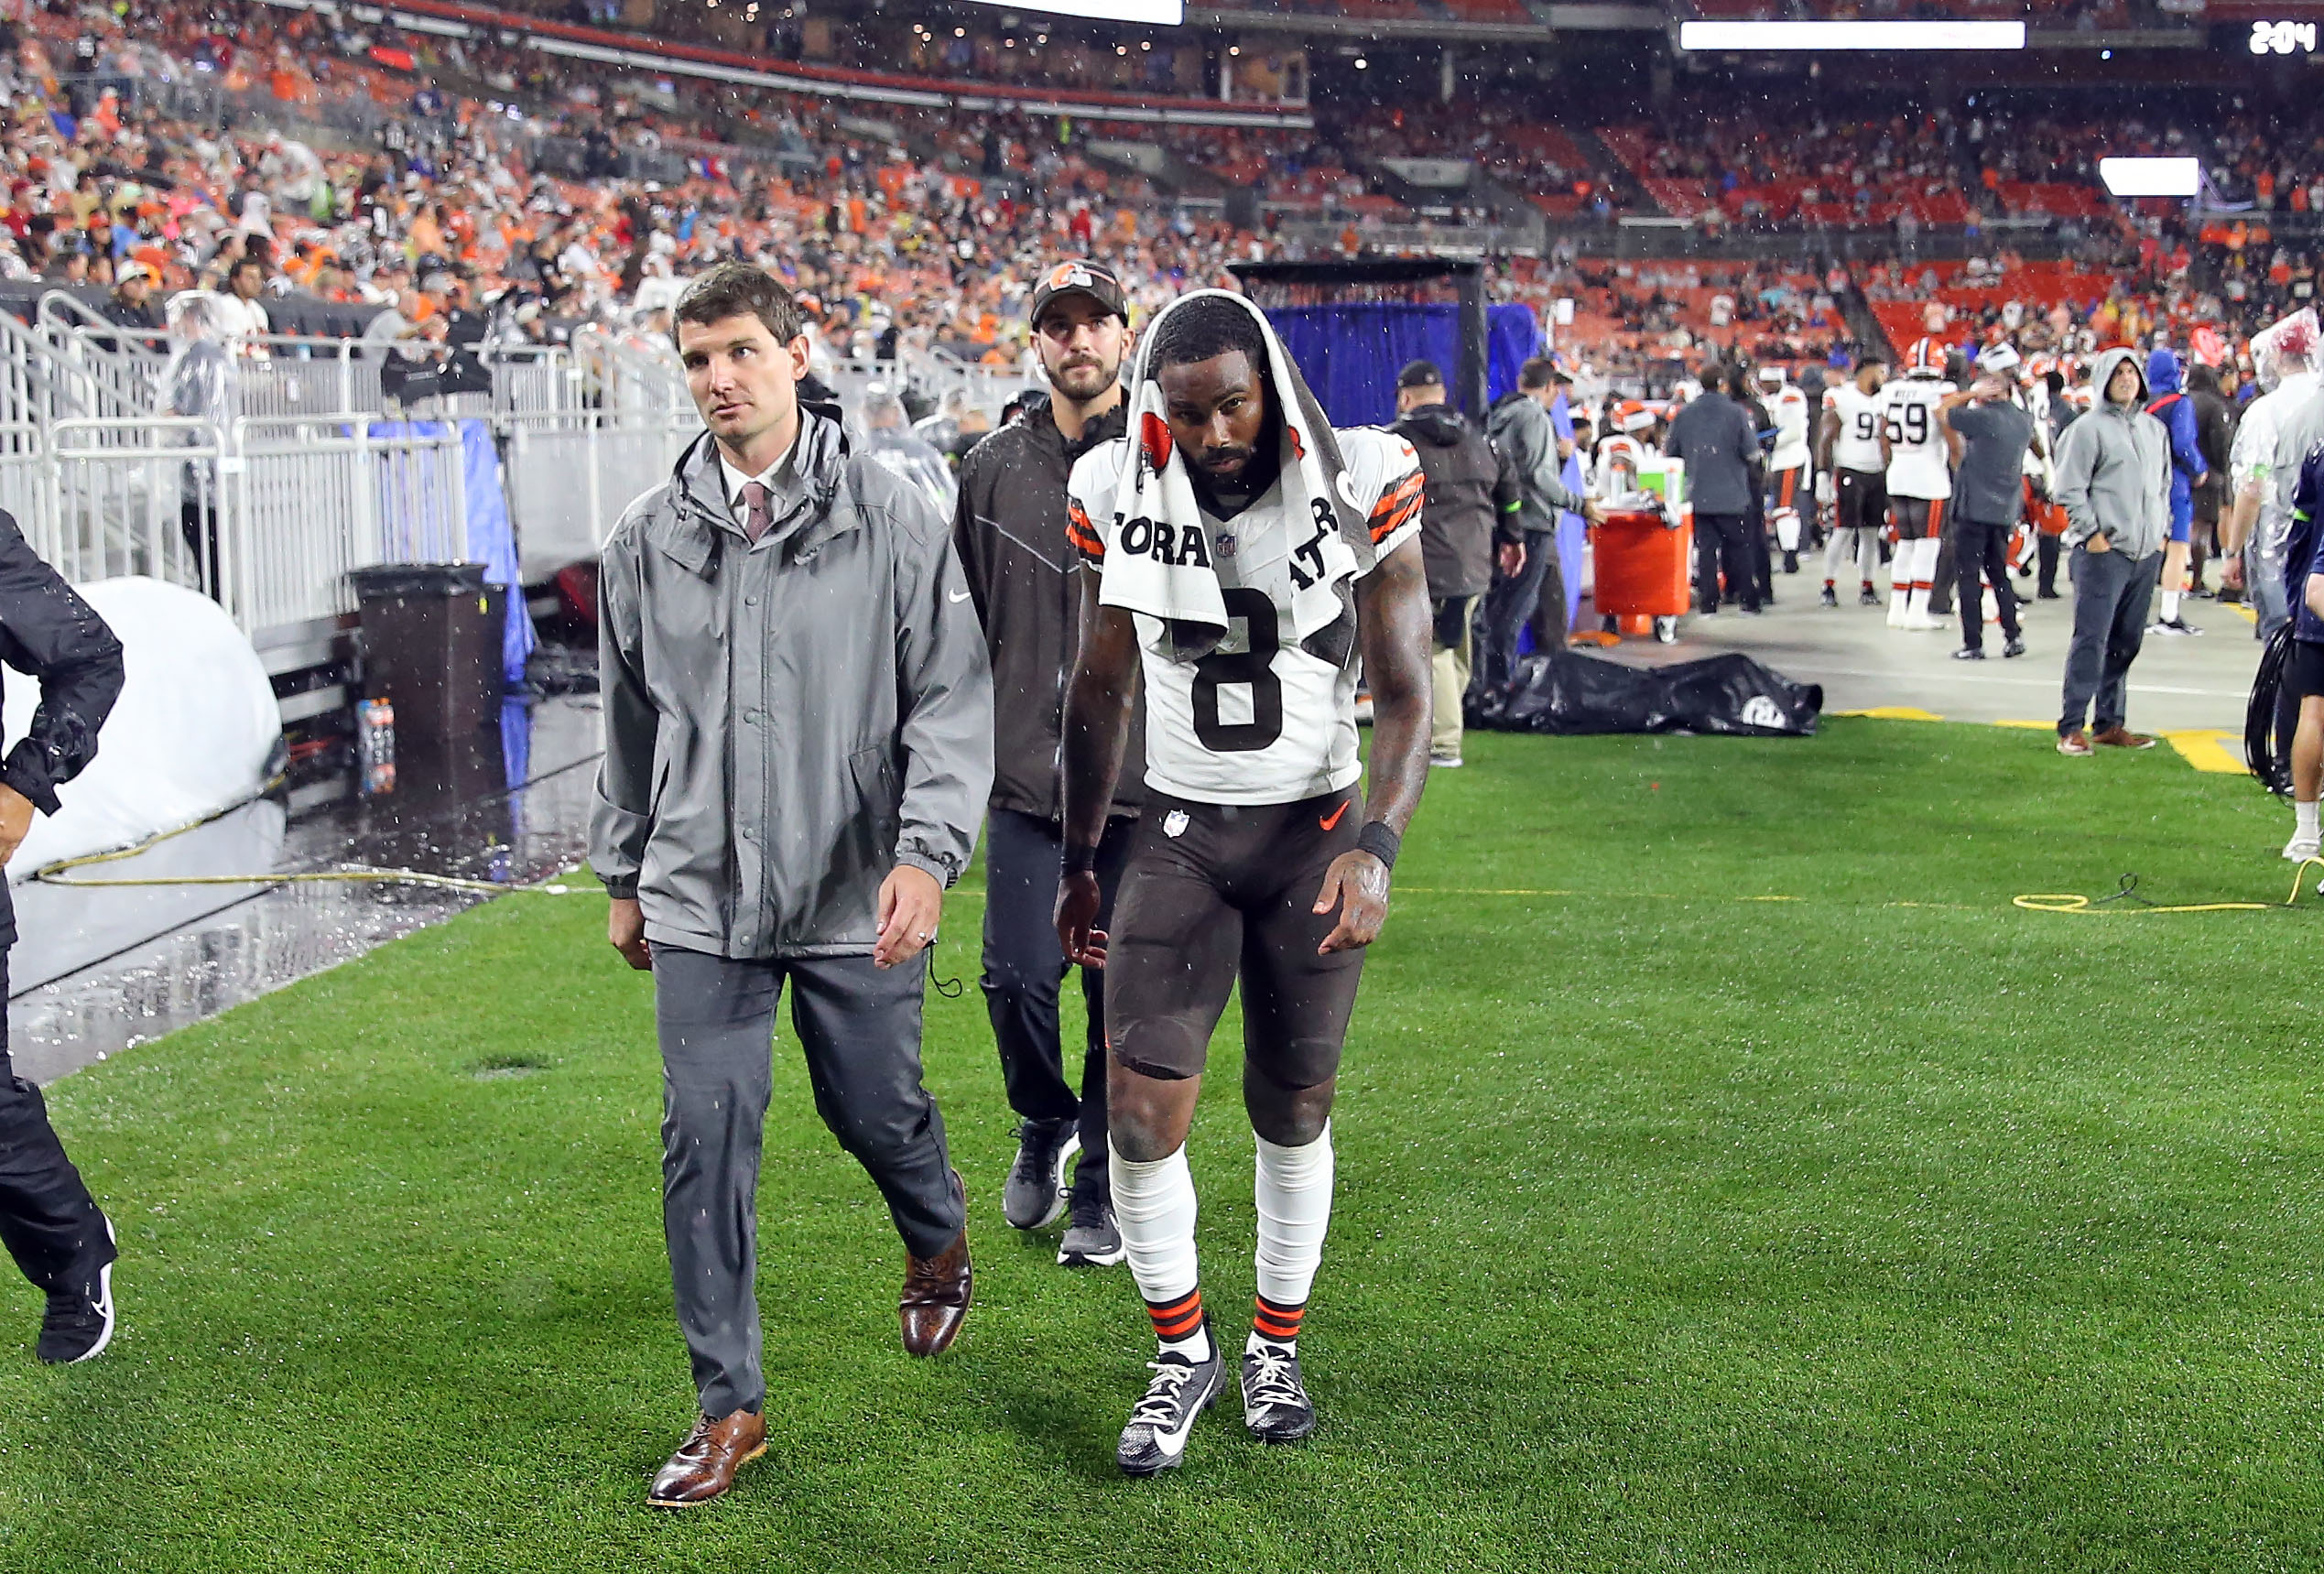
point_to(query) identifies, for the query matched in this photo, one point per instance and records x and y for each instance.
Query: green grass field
(1729, 1178)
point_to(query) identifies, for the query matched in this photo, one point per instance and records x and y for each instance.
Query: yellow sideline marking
(2204, 748)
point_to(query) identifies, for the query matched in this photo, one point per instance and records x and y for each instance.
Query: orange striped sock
(1176, 1321)
(1277, 1323)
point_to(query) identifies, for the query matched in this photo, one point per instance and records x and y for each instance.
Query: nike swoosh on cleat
(1334, 818)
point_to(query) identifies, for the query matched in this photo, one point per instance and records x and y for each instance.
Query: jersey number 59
(1908, 425)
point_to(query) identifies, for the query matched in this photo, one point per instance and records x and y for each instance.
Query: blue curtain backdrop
(1352, 354)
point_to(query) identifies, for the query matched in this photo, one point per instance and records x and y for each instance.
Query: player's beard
(1083, 377)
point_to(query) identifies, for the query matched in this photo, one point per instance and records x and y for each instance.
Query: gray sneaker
(1276, 1405)
(1035, 1193)
(1156, 1438)
(1090, 1240)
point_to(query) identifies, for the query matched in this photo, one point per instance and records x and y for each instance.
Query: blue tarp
(1350, 354)
(492, 540)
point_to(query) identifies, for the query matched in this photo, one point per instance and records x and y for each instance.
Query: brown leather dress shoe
(2121, 738)
(704, 1466)
(937, 1292)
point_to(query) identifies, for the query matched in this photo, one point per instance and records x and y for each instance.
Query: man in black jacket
(1720, 448)
(54, 1229)
(1009, 525)
(1469, 508)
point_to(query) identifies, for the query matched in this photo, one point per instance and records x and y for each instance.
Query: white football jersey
(1919, 462)
(1788, 406)
(1857, 447)
(1259, 720)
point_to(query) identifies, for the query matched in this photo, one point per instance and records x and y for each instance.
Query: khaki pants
(1448, 669)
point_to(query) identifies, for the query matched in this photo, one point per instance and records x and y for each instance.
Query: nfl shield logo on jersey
(1174, 824)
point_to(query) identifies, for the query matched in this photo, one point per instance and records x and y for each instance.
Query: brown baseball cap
(1080, 276)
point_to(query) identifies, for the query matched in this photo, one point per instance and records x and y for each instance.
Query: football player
(1852, 478)
(1787, 464)
(1918, 451)
(1245, 555)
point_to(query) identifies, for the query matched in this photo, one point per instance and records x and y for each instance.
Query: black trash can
(431, 649)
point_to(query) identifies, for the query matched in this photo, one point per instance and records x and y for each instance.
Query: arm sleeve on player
(1385, 472)
(1088, 504)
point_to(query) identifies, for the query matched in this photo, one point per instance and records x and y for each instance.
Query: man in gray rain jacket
(798, 744)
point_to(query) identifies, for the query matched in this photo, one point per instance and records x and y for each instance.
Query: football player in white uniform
(1917, 451)
(1787, 464)
(1244, 554)
(1852, 478)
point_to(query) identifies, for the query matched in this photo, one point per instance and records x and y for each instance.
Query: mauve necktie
(758, 509)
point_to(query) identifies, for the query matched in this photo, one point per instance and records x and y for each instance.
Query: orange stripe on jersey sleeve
(1081, 534)
(1398, 506)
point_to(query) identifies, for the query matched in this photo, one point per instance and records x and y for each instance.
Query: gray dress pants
(2111, 591)
(859, 1027)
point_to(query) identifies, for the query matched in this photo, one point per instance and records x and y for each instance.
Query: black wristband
(1379, 841)
(1080, 859)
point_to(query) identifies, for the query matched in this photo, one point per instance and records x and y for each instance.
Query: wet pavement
(97, 970)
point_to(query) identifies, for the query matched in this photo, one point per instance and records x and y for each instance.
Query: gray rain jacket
(1525, 439)
(787, 721)
(2113, 469)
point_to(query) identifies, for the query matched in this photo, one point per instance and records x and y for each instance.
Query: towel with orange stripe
(1347, 495)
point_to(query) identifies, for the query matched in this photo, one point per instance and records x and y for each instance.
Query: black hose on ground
(2268, 721)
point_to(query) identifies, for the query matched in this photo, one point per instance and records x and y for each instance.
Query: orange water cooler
(1642, 562)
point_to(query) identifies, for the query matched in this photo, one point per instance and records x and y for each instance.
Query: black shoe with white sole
(79, 1324)
(1276, 1405)
(1035, 1193)
(1830, 598)
(1156, 1438)
(1091, 1238)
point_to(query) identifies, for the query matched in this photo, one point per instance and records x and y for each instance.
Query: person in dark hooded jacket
(1470, 508)
(59, 1238)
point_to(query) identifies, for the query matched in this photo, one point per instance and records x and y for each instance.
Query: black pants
(1025, 971)
(1724, 539)
(2047, 548)
(859, 1026)
(48, 1219)
(2111, 591)
(1228, 899)
(1512, 599)
(1950, 557)
(1982, 548)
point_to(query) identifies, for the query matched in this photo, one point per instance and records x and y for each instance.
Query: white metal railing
(268, 508)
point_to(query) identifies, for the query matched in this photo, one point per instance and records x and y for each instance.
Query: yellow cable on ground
(52, 873)
(2070, 902)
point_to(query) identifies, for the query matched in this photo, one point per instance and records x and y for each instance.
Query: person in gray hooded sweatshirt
(2113, 478)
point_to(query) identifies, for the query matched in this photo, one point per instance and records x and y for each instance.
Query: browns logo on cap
(1081, 277)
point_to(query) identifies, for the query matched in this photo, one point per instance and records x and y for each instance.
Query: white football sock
(2304, 822)
(1787, 529)
(1293, 1190)
(1155, 1210)
(2171, 606)
(1867, 554)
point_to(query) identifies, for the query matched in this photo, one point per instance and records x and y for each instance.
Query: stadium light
(2152, 177)
(1713, 37)
(1152, 13)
